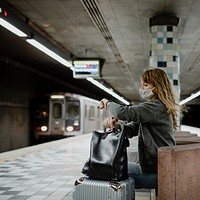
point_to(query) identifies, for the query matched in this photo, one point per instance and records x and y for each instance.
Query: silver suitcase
(91, 189)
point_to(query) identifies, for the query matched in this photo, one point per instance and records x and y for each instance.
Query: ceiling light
(50, 53)
(12, 28)
(109, 91)
(190, 98)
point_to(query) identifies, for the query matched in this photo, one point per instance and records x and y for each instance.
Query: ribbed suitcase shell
(90, 189)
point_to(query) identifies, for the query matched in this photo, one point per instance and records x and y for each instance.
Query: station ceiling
(116, 31)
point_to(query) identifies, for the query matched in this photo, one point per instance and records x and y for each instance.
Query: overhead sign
(86, 68)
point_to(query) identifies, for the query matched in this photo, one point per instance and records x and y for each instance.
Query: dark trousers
(142, 180)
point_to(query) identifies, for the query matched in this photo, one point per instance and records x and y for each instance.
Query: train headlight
(43, 128)
(69, 128)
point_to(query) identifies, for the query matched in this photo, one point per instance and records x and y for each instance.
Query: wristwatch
(107, 103)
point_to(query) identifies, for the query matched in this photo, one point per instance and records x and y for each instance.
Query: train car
(67, 114)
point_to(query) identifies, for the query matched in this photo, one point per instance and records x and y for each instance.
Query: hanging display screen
(86, 68)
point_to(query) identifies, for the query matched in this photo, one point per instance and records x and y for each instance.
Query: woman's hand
(109, 122)
(104, 104)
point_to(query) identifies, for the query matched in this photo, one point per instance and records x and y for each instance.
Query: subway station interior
(45, 44)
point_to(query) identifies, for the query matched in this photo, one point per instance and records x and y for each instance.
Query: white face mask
(146, 93)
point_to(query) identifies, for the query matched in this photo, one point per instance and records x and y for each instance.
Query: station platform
(49, 170)
(45, 171)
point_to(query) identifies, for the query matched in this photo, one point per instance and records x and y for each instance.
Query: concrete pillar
(164, 48)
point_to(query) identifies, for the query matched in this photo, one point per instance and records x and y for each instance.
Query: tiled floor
(48, 173)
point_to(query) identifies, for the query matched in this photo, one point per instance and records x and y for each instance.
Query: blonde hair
(162, 91)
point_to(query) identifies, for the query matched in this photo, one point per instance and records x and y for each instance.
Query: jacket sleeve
(131, 129)
(144, 112)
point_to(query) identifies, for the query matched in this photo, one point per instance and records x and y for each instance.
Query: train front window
(91, 113)
(57, 110)
(72, 108)
(72, 114)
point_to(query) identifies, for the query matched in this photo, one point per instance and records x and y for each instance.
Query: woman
(153, 121)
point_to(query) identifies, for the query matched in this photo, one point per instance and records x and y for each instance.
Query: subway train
(67, 114)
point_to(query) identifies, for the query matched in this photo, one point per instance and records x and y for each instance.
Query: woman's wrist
(104, 103)
(107, 103)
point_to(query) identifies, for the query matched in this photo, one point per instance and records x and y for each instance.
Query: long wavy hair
(162, 91)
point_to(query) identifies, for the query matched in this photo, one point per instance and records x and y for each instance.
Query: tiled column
(164, 48)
